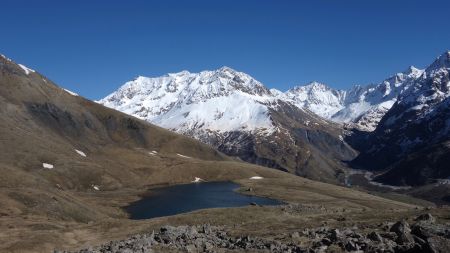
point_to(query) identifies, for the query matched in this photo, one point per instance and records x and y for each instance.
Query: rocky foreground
(425, 235)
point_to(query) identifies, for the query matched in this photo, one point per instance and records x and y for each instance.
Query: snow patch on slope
(47, 166)
(26, 69)
(184, 156)
(71, 92)
(234, 112)
(81, 153)
(197, 180)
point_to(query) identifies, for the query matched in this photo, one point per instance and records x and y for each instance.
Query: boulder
(426, 218)
(335, 235)
(374, 236)
(403, 232)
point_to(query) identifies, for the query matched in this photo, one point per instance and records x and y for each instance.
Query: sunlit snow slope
(222, 100)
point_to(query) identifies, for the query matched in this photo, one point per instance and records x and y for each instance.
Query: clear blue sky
(92, 47)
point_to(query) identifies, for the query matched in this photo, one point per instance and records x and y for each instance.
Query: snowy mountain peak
(410, 73)
(227, 69)
(312, 86)
(219, 100)
(316, 97)
(276, 93)
(413, 71)
(319, 85)
(181, 73)
(443, 61)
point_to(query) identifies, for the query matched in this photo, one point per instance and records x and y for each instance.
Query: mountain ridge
(361, 106)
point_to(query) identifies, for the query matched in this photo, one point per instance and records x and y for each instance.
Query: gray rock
(325, 241)
(335, 235)
(374, 236)
(426, 218)
(403, 232)
(295, 235)
(351, 246)
(389, 235)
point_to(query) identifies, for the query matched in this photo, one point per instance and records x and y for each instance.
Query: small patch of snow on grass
(183, 156)
(71, 92)
(197, 180)
(256, 177)
(26, 69)
(47, 166)
(80, 153)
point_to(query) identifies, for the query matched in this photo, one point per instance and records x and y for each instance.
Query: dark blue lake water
(177, 199)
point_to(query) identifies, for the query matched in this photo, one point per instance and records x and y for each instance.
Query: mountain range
(312, 130)
(411, 142)
(361, 106)
(239, 116)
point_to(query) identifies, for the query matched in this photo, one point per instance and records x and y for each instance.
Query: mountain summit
(442, 62)
(317, 97)
(219, 100)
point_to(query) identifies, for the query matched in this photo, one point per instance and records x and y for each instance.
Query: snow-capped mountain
(235, 113)
(366, 106)
(411, 140)
(227, 100)
(362, 106)
(295, 130)
(222, 100)
(318, 98)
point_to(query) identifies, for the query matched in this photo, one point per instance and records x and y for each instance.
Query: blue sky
(92, 47)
